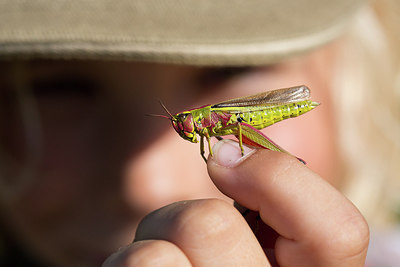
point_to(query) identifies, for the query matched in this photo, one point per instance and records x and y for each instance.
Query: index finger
(316, 223)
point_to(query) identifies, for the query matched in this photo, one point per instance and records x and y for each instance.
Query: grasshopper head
(183, 123)
(184, 126)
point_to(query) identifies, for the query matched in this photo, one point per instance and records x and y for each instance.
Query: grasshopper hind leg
(254, 137)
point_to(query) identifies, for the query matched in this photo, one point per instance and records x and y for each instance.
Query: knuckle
(356, 234)
(146, 253)
(352, 237)
(203, 217)
(210, 219)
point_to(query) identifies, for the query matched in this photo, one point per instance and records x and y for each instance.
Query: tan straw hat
(202, 32)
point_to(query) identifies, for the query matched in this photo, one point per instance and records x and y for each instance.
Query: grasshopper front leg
(202, 151)
(202, 148)
(209, 143)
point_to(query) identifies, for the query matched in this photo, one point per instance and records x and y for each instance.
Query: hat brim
(224, 32)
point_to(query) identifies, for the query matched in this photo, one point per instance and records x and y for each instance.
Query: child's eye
(64, 86)
(65, 100)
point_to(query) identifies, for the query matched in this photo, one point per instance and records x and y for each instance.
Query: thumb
(315, 222)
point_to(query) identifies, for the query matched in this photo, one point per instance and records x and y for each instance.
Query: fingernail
(227, 153)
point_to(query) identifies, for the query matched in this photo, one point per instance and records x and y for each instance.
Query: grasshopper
(242, 117)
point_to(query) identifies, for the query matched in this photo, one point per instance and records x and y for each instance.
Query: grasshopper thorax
(184, 125)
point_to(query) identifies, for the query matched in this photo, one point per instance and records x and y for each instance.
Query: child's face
(103, 164)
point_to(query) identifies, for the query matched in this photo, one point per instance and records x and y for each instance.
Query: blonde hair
(367, 94)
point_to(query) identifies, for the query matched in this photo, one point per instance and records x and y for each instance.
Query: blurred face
(97, 164)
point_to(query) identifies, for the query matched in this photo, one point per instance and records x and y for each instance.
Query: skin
(323, 235)
(108, 174)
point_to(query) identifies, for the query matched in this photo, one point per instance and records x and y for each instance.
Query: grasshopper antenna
(158, 115)
(162, 116)
(165, 108)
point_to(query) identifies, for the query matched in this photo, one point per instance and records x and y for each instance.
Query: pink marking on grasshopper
(223, 117)
(209, 121)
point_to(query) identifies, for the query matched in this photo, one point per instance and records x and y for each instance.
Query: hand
(314, 224)
(206, 232)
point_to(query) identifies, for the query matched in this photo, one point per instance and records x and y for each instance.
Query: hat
(196, 32)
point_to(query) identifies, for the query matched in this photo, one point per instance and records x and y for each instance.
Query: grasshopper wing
(269, 98)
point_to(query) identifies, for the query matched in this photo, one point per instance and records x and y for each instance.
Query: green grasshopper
(242, 117)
